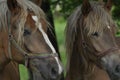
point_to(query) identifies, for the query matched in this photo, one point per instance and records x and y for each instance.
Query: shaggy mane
(77, 26)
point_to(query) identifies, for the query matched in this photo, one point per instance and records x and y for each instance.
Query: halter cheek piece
(27, 55)
(100, 54)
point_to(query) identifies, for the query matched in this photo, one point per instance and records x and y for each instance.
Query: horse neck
(10, 72)
(98, 74)
(3, 48)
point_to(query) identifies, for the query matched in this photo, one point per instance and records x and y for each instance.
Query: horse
(23, 40)
(92, 52)
(45, 6)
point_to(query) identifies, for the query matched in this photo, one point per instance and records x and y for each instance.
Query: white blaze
(39, 25)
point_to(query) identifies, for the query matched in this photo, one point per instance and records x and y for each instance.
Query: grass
(23, 73)
(59, 28)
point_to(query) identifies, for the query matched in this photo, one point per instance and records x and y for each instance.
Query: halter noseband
(104, 53)
(27, 55)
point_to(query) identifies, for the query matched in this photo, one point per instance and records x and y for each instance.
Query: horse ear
(100, 0)
(108, 5)
(86, 7)
(13, 6)
(37, 2)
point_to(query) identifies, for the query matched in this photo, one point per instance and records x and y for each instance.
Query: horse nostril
(54, 74)
(53, 71)
(117, 69)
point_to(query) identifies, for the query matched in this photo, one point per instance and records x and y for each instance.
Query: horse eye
(26, 32)
(95, 34)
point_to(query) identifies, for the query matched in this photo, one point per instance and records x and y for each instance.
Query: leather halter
(104, 53)
(27, 55)
(100, 54)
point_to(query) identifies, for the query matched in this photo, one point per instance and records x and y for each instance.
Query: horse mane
(25, 5)
(79, 60)
(3, 14)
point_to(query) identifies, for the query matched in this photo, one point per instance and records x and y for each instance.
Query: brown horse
(90, 42)
(23, 39)
(45, 6)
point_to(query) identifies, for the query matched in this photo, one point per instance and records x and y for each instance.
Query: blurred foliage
(116, 11)
(67, 6)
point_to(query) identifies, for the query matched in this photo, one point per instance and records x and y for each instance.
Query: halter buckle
(10, 37)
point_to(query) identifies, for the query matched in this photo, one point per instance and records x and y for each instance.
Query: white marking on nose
(44, 34)
(39, 25)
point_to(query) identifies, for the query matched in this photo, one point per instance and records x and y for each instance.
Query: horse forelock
(96, 21)
(25, 5)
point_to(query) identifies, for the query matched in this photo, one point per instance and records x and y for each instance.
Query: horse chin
(111, 65)
(36, 76)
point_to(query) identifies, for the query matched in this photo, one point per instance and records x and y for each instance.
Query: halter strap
(9, 32)
(26, 54)
(104, 53)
